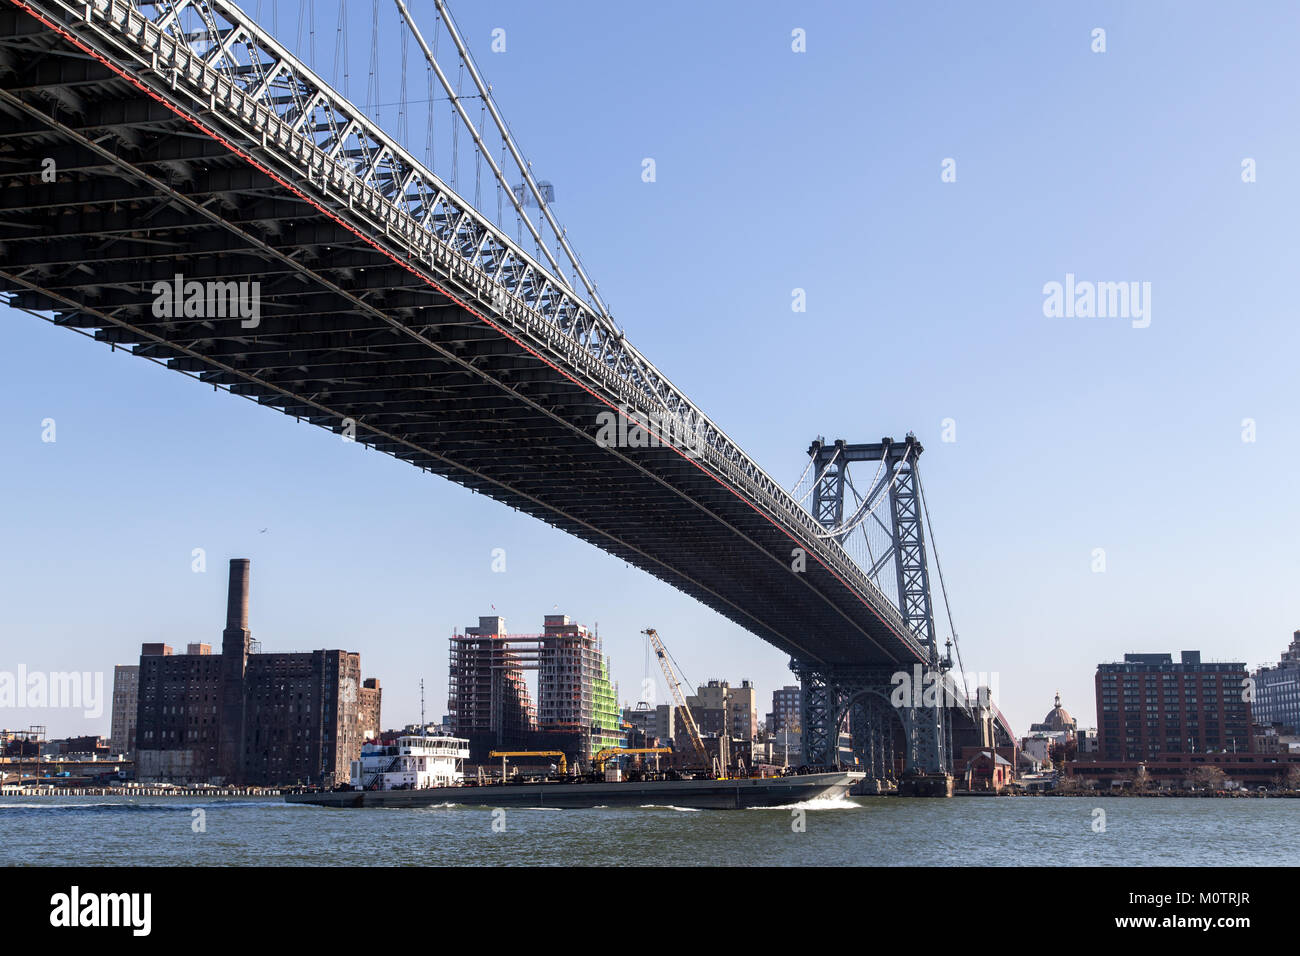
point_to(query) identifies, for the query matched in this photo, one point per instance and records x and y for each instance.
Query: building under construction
(490, 703)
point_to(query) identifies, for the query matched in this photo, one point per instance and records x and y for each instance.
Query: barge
(426, 771)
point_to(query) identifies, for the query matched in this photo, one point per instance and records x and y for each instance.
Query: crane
(678, 697)
(503, 754)
(598, 761)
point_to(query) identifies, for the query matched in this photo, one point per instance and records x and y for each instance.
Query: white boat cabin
(413, 763)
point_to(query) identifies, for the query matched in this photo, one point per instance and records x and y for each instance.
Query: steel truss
(828, 693)
(898, 476)
(236, 80)
(863, 702)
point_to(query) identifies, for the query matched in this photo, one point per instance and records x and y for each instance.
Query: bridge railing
(277, 106)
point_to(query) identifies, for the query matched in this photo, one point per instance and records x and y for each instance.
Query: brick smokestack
(237, 601)
(235, 644)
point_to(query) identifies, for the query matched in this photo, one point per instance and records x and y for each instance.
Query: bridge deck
(154, 180)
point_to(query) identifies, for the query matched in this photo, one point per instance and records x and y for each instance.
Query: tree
(1211, 778)
(1069, 785)
(1142, 780)
(1293, 779)
(1058, 753)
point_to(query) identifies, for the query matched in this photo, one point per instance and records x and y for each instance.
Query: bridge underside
(140, 193)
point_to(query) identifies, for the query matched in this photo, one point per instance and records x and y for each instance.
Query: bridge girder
(519, 370)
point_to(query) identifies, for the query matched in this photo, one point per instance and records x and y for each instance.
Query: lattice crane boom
(679, 698)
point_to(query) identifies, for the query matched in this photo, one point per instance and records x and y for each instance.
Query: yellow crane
(503, 754)
(599, 760)
(679, 698)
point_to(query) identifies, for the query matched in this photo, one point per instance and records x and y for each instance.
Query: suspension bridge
(162, 161)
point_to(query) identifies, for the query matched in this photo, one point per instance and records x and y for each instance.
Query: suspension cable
(458, 110)
(817, 480)
(938, 566)
(807, 468)
(525, 168)
(844, 529)
(854, 520)
(866, 539)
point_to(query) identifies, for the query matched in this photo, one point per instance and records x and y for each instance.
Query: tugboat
(427, 771)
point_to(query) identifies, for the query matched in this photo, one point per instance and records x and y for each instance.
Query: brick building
(1181, 770)
(1148, 705)
(368, 709)
(90, 745)
(985, 768)
(241, 717)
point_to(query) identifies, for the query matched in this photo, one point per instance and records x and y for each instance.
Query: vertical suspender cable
(341, 47)
(478, 170)
(458, 110)
(372, 85)
(428, 122)
(524, 167)
(455, 132)
(402, 120)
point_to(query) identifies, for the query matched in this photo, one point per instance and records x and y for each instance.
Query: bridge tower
(867, 698)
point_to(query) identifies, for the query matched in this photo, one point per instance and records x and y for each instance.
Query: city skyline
(435, 695)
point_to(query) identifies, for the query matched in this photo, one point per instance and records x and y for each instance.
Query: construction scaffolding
(487, 696)
(489, 700)
(573, 686)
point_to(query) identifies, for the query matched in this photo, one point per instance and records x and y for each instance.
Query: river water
(1007, 831)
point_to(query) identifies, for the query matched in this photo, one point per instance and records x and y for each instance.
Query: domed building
(1058, 722)
(1058, 727)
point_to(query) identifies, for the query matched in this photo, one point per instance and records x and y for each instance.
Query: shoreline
(269, 792)
(144, 791)
(1220, 794)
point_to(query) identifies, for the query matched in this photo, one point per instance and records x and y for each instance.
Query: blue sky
(775, 170)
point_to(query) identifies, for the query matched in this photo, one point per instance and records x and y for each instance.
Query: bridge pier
(926, 785)
(897, 735)
(887, 709)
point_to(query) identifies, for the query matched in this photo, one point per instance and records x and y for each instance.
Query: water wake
(817, 803)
